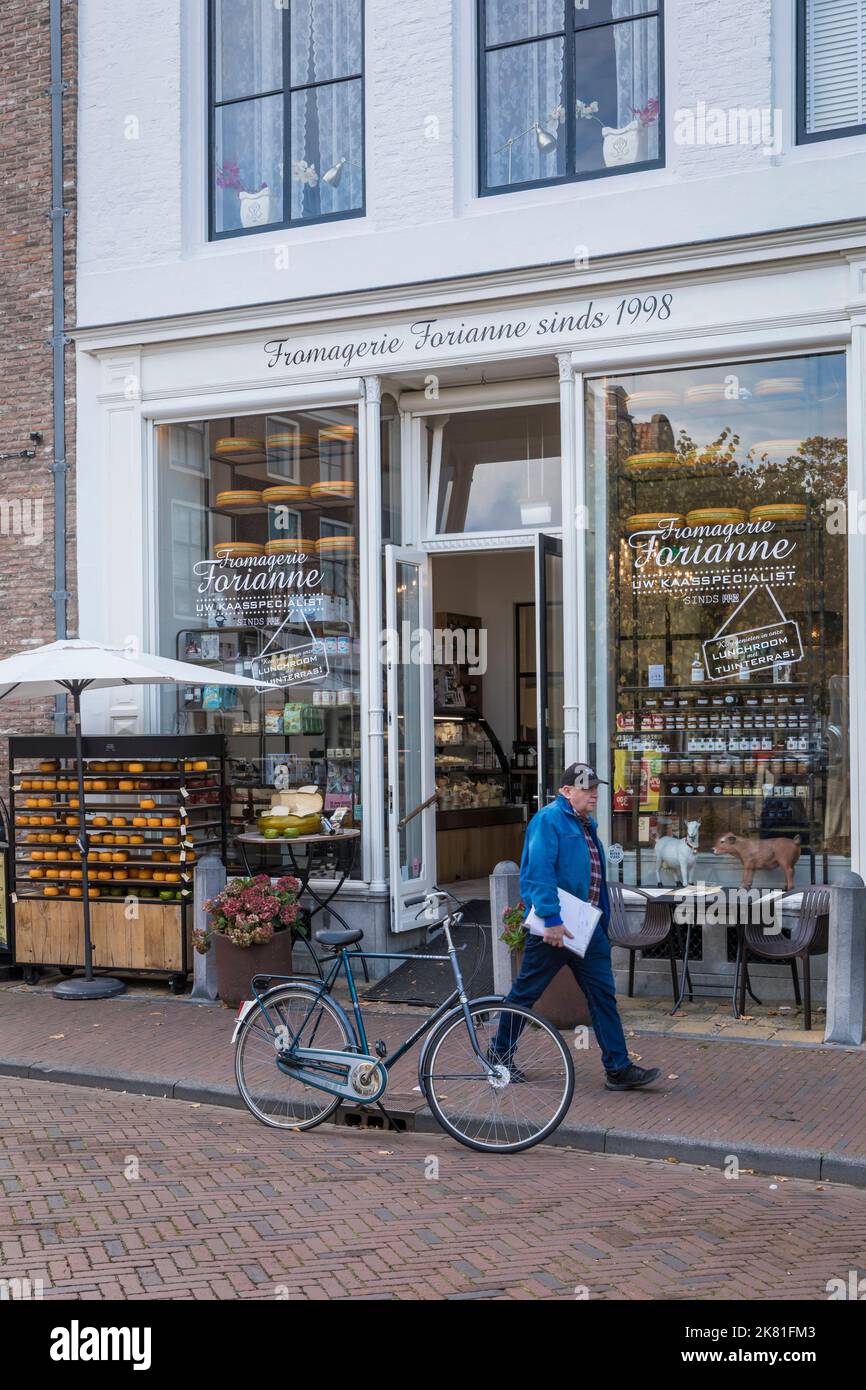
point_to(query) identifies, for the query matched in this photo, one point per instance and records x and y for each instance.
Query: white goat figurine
(678, 856)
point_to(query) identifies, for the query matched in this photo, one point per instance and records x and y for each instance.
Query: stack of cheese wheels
(237, 449)
(286, 495)
(715, 516)
(660, 399)
(285, 547)
(236, 550)
(646, 463)
(707, 393)
(775, 448)
(654, 521)
(336, 546)
(779, 511)
(289, 445)
(239, 499)
(780, 386)
(339, 489)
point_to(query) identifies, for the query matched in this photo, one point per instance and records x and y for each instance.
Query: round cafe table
(309, 855)
(677, 897)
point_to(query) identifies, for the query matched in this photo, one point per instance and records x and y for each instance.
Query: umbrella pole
(90, 987)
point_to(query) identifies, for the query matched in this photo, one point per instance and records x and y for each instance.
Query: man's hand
(554, 936)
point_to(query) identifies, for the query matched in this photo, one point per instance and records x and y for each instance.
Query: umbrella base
(103, 987)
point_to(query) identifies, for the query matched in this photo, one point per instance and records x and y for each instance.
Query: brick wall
(27, 614)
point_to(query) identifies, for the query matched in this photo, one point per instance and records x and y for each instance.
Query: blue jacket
(555, 855)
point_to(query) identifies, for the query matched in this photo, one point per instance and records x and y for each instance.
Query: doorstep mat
(420, 981)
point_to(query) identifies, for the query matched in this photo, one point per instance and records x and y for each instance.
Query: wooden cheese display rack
(154, 806)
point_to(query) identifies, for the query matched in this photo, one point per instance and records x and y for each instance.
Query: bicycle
(299, 1056)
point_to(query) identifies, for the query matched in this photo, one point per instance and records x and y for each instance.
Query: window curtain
(524, 86)
(636, 47)
(326, 121)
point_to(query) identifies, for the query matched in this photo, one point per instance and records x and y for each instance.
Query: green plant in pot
(251, 923)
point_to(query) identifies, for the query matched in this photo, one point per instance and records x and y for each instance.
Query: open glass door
(550, 691)
(411, 812)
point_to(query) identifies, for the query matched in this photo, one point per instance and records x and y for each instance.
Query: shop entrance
(476, 730)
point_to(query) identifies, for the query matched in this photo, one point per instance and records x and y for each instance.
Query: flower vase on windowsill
(254, 208)
(626, 144)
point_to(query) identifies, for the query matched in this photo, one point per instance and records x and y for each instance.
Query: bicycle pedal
(380, 1048)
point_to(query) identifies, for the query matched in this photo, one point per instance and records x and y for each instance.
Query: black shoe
(629, 1078)
(514, 1072)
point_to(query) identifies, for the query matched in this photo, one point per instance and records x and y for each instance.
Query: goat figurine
(678, 856)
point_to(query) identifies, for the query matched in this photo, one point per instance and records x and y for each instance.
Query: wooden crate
(52, 933)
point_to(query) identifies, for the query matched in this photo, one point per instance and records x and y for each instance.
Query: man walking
(562, 850)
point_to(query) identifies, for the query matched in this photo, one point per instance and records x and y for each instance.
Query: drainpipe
(58, 341)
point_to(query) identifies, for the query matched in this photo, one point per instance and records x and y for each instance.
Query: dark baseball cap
(583, 776)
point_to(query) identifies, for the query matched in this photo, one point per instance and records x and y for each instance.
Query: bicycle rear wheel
(498, 1114)
(273, 1097)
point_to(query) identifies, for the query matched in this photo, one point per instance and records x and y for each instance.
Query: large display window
(718, 616)
(258, 573)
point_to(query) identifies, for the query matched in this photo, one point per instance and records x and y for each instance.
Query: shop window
(495, 470)
(261, 577)
(831, 58)
(568, 90)
(287, 113)
(719, 656)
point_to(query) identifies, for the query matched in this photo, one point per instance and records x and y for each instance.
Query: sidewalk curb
(810, 1164)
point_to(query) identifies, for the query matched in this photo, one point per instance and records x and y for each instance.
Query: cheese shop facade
(465, 533)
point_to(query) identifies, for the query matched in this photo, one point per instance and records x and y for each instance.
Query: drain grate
(356, 1117)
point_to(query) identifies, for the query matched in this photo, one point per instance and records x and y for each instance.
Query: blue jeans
(593, 973)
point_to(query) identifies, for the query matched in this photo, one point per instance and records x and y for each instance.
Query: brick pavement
(730, 1096)
(128, 1197)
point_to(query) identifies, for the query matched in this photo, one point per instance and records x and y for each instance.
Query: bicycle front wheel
(522, 1102)
(273, 1097)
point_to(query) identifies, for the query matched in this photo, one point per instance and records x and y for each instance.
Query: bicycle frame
(357, 1030)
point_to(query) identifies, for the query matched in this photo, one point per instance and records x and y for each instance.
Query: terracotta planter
(563, 1003)
(236, 965)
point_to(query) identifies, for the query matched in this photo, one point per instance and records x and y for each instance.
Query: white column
(857, 582)
(573, 604)
(372, 687)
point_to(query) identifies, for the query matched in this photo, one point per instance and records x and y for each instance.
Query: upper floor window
(569, 89)
(831, 68)
(287, 113)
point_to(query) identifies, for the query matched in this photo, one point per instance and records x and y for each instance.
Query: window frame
(654, 10)
(803, 134)
(286, 91)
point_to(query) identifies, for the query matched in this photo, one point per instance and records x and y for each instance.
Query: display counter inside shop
(476, 823)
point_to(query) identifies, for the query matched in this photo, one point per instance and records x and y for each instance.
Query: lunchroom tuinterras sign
(428, 338)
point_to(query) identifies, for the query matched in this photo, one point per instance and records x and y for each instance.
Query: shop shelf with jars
(153, 807)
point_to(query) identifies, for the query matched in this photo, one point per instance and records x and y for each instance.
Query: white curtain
(636, 47)
(326, 121)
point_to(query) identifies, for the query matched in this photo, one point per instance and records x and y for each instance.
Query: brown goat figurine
(761, 854)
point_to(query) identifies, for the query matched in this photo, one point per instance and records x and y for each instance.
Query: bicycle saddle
(339, 938)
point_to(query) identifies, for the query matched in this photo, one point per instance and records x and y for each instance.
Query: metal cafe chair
(809, 937)
(654, 930)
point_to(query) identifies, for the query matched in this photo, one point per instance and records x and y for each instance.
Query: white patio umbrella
(71, 667)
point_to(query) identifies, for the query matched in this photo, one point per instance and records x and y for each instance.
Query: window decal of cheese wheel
(239, 499)
(286, 494)
(236, 449)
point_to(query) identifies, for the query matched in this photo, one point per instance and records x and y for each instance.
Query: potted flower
(627, 144)
(251, 922)
(563, 1003)
(255, 207)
